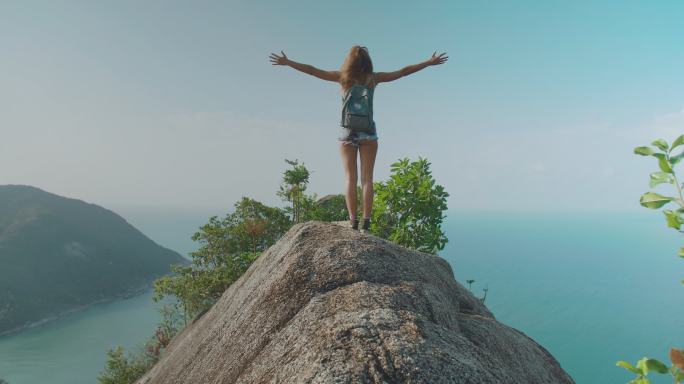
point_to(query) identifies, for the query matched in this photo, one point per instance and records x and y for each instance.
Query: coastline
(133, 292)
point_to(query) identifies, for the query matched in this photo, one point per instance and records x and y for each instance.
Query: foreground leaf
(673, 219)
(677, 355)
(629, 367)
(660, 178)
(678, 141)
(664, 165)
(678, 376)
(643, 151)
(653, 200)
(662, 144)
(656, 365)
(646, 365)
(676, 159)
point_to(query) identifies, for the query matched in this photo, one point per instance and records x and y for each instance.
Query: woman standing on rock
(358, 134)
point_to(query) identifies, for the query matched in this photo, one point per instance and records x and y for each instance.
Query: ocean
(592, 288)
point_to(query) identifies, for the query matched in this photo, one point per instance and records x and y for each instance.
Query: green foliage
(645, 366)
(667, 161)
(409, 208)
(307, 207)
(654, 200)
(172, 322)
(228, 246)
(332, 209)
(292, 189)
(3, 381)
(123, 368)
(660, 178)
(328, 208)
(674, 219)
(126, 368)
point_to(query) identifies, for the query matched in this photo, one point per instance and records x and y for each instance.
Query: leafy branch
(667, 160)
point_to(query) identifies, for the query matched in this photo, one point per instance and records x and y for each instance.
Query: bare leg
(348, 153)
(367, 151)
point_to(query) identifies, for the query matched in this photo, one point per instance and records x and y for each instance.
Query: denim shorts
(347, 136)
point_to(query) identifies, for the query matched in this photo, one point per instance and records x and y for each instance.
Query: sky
(175, 105)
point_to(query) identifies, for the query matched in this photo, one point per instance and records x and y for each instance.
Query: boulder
(327, 304)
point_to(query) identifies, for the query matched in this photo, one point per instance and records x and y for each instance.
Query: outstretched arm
(306, 68)
(391, 76)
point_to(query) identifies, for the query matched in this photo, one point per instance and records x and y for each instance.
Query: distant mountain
(59, 254)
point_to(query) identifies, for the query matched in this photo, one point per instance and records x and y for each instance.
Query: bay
(72, 349)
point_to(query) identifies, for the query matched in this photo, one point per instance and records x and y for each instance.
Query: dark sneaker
(354, 224)
(366, 225)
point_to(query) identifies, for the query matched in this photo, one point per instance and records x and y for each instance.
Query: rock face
(327, 304)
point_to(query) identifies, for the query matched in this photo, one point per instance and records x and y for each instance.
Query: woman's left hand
(436, 60)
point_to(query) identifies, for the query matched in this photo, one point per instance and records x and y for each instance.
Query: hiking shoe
(366, 225)
(354, 223)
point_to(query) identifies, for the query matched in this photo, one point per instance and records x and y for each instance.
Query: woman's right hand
(436, 60)
(278, 60)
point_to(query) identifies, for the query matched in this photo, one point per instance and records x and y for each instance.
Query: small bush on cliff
(126, 368)
(408, 209)
(328, 208)
(295, 181)
(228, 246)
(667, 159)
(123, 369)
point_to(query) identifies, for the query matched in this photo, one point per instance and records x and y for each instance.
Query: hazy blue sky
(175, 104)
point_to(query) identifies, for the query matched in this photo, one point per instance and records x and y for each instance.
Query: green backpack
(357, 109)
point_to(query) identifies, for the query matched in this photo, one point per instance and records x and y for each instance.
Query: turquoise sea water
(590, 288)
(73, 349)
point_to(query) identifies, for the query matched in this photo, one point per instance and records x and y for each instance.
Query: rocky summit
(327, 304)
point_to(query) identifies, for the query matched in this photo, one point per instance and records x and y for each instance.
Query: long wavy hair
(357, 68)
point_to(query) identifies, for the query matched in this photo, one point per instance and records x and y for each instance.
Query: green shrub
(292, 189)
(228, 246)
(126, 368)
(408, 209)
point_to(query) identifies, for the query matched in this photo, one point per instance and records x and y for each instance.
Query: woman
(358, 69)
